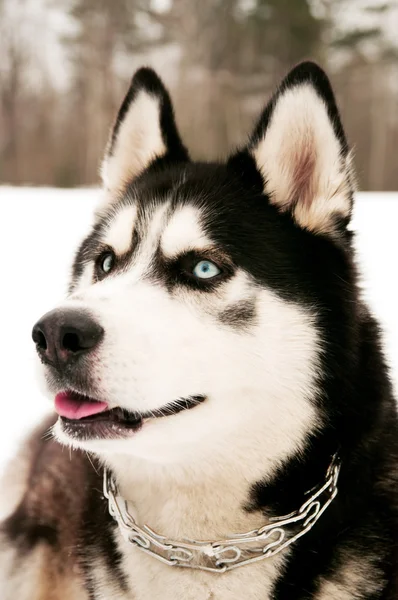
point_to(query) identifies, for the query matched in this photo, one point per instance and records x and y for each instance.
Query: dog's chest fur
(180, 511)
(148, 578)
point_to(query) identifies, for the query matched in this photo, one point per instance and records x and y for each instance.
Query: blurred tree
(12, 66)
(105, 32)
(28, 103)
(367, 59)
(220, 58)
(282, 33)
(233, 51)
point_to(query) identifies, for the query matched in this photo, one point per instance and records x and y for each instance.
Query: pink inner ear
(303, 173)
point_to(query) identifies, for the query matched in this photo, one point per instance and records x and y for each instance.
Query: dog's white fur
(184, 233)
(36, 577)
(118, 235)
(353, 581)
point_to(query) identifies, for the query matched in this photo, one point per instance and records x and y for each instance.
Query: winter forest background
(65, 66)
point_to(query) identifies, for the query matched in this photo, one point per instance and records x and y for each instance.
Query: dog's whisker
(91, 462)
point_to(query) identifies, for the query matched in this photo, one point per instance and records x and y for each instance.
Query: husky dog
(217, 376)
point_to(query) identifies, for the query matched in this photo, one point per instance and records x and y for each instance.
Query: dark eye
(106, 262)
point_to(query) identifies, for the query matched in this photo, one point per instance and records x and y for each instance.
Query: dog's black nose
(63, 334)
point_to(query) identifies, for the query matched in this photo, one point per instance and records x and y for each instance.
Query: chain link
(235, 551)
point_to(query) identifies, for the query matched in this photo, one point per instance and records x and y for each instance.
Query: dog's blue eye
(205, 269)
(107, 262)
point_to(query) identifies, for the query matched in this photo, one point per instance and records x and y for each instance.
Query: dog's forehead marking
(153, 225)
(118, 233)
(184, 232)
(150, 229)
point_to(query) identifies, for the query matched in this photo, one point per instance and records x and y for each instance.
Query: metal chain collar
(235, 551)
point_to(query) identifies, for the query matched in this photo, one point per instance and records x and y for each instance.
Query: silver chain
(235, 551)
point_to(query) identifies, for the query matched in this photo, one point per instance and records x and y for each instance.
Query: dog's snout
(61, 335)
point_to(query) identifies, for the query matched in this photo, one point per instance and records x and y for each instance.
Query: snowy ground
(39, 232)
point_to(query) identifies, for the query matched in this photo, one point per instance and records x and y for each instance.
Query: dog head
(200, 301)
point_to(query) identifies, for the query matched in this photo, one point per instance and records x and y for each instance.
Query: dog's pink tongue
(74, 406)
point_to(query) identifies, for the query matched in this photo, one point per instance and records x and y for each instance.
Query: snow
(40, 229)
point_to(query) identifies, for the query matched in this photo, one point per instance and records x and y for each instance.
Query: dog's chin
(83, 419)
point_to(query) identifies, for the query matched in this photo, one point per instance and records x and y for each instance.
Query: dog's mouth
(86, 417)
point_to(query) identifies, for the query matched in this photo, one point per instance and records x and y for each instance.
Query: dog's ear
(301, 152)
(144, 131)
